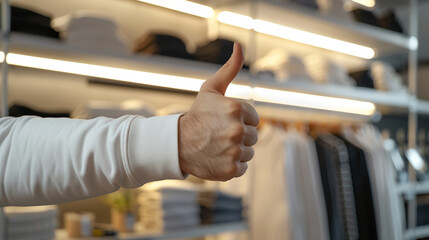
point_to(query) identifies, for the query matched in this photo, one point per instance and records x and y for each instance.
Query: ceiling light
(183, 6)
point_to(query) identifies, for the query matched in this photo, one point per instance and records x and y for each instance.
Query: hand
(217, 134)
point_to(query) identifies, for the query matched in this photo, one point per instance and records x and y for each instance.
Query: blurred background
(340, 86)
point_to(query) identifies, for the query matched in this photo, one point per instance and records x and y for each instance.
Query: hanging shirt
(269, 211)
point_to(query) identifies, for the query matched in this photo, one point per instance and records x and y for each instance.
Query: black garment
(161, 44)
(218, 207)
(363, 195)
(28, 21)
(19, 111)
(331, 188)
(390, 22)
(365, 16)
(363, 79)
(307, 3)
(217, 51)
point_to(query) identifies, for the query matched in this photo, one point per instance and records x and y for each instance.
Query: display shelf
(423, 107)
(384, 42)
(413, 188)
(417, 232)
(196, 232)
(55, 49)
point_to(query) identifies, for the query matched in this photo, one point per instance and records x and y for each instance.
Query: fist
(216, 136)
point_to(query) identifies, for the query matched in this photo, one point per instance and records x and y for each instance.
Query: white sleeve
(47, 161)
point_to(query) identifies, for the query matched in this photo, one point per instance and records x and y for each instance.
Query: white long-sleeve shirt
(47, 161)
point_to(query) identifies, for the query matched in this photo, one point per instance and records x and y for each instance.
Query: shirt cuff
(153, 152)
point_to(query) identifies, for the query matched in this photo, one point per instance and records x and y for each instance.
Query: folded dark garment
(365, 16)
(19, 111)
(220, 217)
(220, 201)
(307, 3)
(389, 21)
(217, 51)
(363, 79)
(29, 21)
(161, 44)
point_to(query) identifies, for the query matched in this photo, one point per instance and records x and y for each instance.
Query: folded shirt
(324, 71)
(91, 30)
(284, 65)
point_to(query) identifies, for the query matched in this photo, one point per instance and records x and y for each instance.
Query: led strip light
(193, 84)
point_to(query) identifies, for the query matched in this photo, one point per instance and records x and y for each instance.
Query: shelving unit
(384, 42)
(54, 49)
(200, 231)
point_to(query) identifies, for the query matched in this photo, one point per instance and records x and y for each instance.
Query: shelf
(384, 42)
(55, 49)
(196, 232)
(417, 232)
(415, 188)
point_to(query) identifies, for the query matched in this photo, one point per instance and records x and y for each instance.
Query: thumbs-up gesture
(217, 134)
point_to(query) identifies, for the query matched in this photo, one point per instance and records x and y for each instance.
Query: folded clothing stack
(283, 65)
(219, 207)
(381, 76)
(168, 207)
(324, 71)
(31, 223)
(32, 22)
(91, 31)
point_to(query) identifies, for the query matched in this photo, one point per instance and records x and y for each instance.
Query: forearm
(45, 161)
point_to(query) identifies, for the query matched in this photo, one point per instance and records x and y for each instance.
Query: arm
(45, 161)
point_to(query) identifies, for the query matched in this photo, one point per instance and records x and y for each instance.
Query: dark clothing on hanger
(327, 156)
(362, 192)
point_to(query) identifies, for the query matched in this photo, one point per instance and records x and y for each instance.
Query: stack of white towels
(168, 205)
(31, 223)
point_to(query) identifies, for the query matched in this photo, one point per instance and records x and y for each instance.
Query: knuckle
(236, 153)
(235, 107)
(237, 130)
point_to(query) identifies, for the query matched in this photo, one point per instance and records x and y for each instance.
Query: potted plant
(122, 205)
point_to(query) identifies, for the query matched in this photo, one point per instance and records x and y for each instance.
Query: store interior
(339, 85)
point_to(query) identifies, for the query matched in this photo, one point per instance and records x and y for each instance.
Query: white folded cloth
(324, 71)
(385, 77)
(284, 65)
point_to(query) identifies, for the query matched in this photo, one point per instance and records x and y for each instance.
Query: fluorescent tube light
(235, 19)
(313, 101)
(120, 74)
(183, 6)
(193, 84)
(366, 3)
(296, 35)
(313, 39)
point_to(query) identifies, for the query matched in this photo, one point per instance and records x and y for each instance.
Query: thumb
(223, 77)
